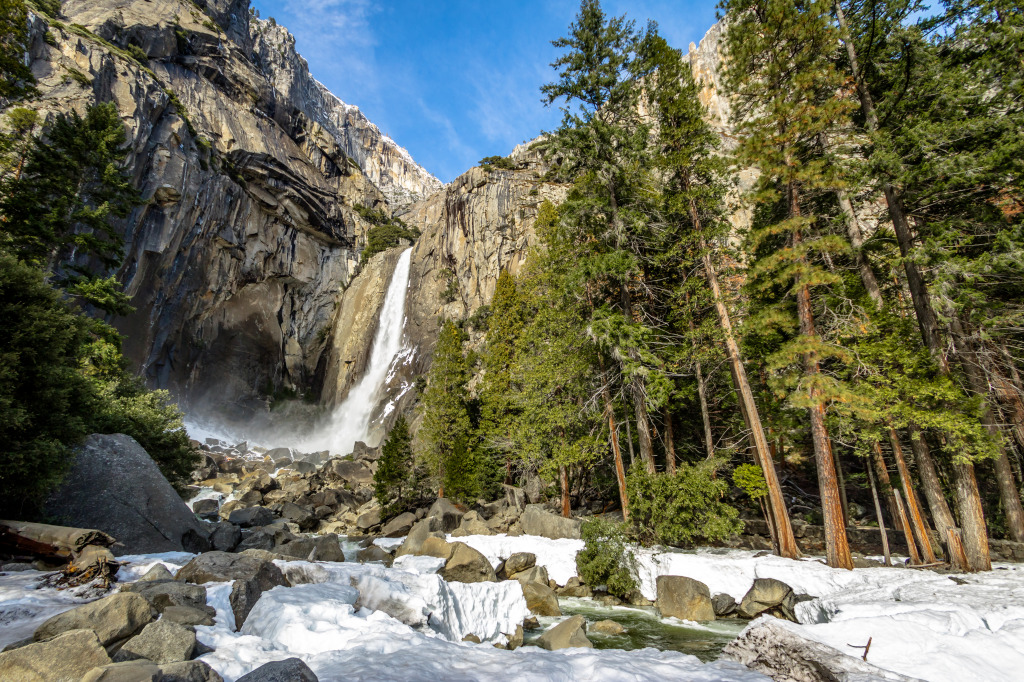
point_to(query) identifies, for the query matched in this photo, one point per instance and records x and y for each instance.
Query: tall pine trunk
(913, 510)
(837, 547)
(670, 445)
(931, 485)
(972, 518)
(563, 476)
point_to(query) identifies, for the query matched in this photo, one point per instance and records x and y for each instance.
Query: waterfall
(351, 420)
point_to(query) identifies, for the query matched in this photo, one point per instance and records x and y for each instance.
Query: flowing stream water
(351, 421)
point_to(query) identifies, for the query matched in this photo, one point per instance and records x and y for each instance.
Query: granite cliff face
(249, 171)
(243, 262)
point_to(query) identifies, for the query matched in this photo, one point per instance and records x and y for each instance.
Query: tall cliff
(249, 170)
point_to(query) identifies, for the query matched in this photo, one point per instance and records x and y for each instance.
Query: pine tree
(445, 432)
(694, 196)
(394, 469)
(60, 212)
(787, 102)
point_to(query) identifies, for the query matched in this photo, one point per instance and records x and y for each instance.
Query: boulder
(574, 587)
(534, 574)
(279, 453)
(777, 649)
(252, 576)
(188, 671)
(288, 670)
(157, 572)
(65, 658)
(251, 517)
(471, 638)
(161, 642)
(541, 599)
(374, 554)
(189, 616)
(112, 618)
(164, 593)
(116, 487)
(445, 516)
(467, 565)
(418, 534)
(353, 473)
(608, 627)
(472, 524)
(520, 561)
(768, 595)
(567, 634)
(302, 516)
(368, 519)
(536, 520)
(515, 640)
(436, 547)
(303, 468)
(724, 605)
(225, 537)
(323, 548)
(515, 498)
(399, 526)
(206, 508)
(126, 671)
(684, 598)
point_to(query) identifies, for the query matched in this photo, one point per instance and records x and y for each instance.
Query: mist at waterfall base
(355, 418)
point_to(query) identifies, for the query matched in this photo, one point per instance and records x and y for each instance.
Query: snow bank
(557, 556)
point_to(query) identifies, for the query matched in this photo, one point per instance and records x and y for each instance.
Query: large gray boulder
(771, 596)
(251, 517)
(445, 516)
(160, 642)
(374, 554)
(518, 562)
(163, 593)
(417, 536)
(65, 658)
(567, 634)
(536, 520)
(776, 648)
(399, 526)
(353, 473)
(467, 565)
(541, 599)
(252, 577)
(116, 487)
(684, 598)
(112, 618)
(288, 670)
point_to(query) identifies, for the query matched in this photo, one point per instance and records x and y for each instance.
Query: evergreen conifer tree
(394, 469)
(445, 432)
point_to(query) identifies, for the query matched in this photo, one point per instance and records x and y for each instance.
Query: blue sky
(454, 81)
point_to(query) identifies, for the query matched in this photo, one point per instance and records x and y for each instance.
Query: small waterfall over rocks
(353, 419)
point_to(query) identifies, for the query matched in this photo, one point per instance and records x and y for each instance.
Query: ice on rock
(419, 564)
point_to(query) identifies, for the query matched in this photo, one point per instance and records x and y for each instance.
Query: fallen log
(46, 540)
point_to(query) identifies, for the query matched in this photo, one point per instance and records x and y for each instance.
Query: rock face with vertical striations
(249, 171)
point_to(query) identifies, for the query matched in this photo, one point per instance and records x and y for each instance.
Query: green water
(645, 628)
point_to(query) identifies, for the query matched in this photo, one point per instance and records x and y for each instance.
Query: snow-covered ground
(352, 621)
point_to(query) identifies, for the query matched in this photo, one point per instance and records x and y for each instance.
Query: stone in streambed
(608, 627)
(567, 634)
(684, 598)
(771, 596)
(159, 642)
(65, 658)
(541, 599)
(112, 618)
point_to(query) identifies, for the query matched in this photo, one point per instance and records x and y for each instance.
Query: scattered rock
(608, 600)
(399, 526)
(417, 536)
(251, 517)
(157, 572)
(160, 642)
(126, 671)
(531, 623)
(574, 587)
(65, 658)
(188, 671)
(302, 516)
(353, 473)
(567, 634)
(684, 598)
(538, 521)
(112, 618)
(225, 537)
(471, 638)
(251, 576)
(115, 486)
(467, 565)
(164, 593)
(771, 596)
(189, 616)
(373, 554)
(206, 508)
(534, 574)
(515, 640)
(445, 516)
(519, 562)
(541, 599)
(288, 670)
(608, 627)
(368, 519)
(724, 605)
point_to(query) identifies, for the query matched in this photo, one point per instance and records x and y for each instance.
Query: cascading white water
(351, 420)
